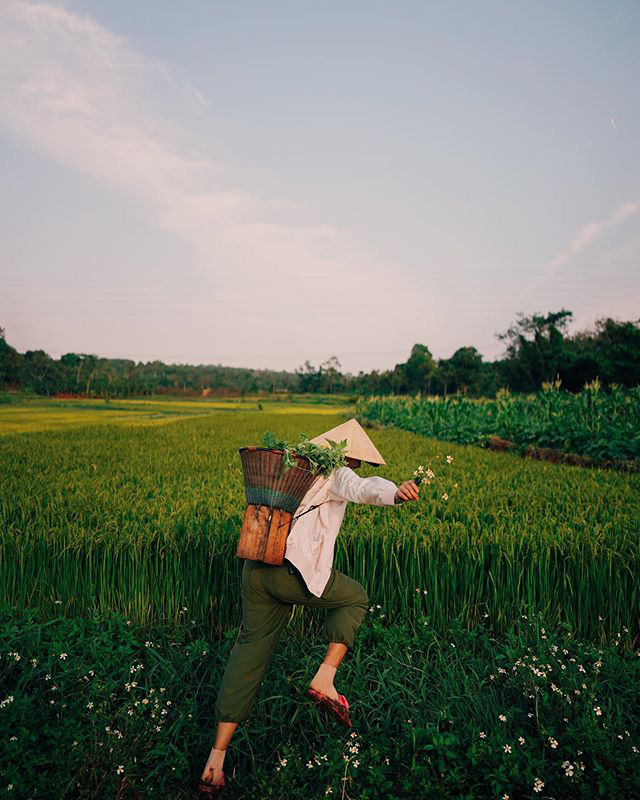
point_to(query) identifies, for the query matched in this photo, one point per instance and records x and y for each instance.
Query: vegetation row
(146, 520)
(538, 348)
(603, 425)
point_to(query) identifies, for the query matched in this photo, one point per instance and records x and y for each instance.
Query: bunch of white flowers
(425, 475)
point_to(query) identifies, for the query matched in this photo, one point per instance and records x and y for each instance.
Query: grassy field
(499, 657)
(28, 414)
(99, 708)
(145, 520)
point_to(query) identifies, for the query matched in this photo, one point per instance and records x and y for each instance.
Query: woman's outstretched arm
(346, 485)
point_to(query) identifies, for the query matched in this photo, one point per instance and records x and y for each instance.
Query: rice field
(117, 564)
(143, 519)
(27, 415)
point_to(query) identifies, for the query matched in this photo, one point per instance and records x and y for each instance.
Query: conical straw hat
(359, 445)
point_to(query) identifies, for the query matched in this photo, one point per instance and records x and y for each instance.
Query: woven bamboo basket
(273, 495)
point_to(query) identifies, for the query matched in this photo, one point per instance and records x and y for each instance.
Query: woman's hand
(407, 491)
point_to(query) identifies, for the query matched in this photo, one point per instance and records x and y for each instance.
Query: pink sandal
(339, 709)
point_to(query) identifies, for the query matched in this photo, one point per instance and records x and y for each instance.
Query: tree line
(538, 349)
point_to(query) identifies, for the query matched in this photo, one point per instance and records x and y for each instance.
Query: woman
(307, 577)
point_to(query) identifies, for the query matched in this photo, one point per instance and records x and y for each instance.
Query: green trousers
(268, 594)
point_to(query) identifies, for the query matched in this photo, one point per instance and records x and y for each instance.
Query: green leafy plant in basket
(322, 460)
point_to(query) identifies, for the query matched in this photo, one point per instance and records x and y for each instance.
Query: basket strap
(311, 508)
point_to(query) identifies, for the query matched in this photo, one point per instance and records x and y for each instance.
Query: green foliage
(537, 348)
(322, 460)
(100, 708)
(105, 527)
(146, 519)
(603, 425)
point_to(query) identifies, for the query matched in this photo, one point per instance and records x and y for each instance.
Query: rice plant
(145, 520)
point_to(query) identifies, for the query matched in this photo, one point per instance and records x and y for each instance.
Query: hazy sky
(258, 183)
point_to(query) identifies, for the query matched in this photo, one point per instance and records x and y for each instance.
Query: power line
(127, 283)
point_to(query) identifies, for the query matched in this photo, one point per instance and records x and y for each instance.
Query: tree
(310, 379)
(463, 372)
(535, 350)
(399, 380)
(38, 372)
(330, 375)
(10, 363)
(419, 369)
(611, 352)
(88, 364)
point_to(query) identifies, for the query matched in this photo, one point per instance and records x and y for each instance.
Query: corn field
(594, 423)
(146, 520)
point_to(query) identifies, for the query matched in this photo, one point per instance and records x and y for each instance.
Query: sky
(258, 184)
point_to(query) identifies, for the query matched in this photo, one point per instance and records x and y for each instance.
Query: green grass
(516, 596)
(145, 520)
(98, 708)
(31, 413)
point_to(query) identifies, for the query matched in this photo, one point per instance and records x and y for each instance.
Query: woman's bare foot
(212, 776)
(322, 681)
(212, 772)
(329, 691)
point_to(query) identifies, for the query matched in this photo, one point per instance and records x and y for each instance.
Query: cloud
(83, 96)
(587, 235)
(198, 96)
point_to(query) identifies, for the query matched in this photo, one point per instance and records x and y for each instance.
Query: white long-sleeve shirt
(311, 540)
